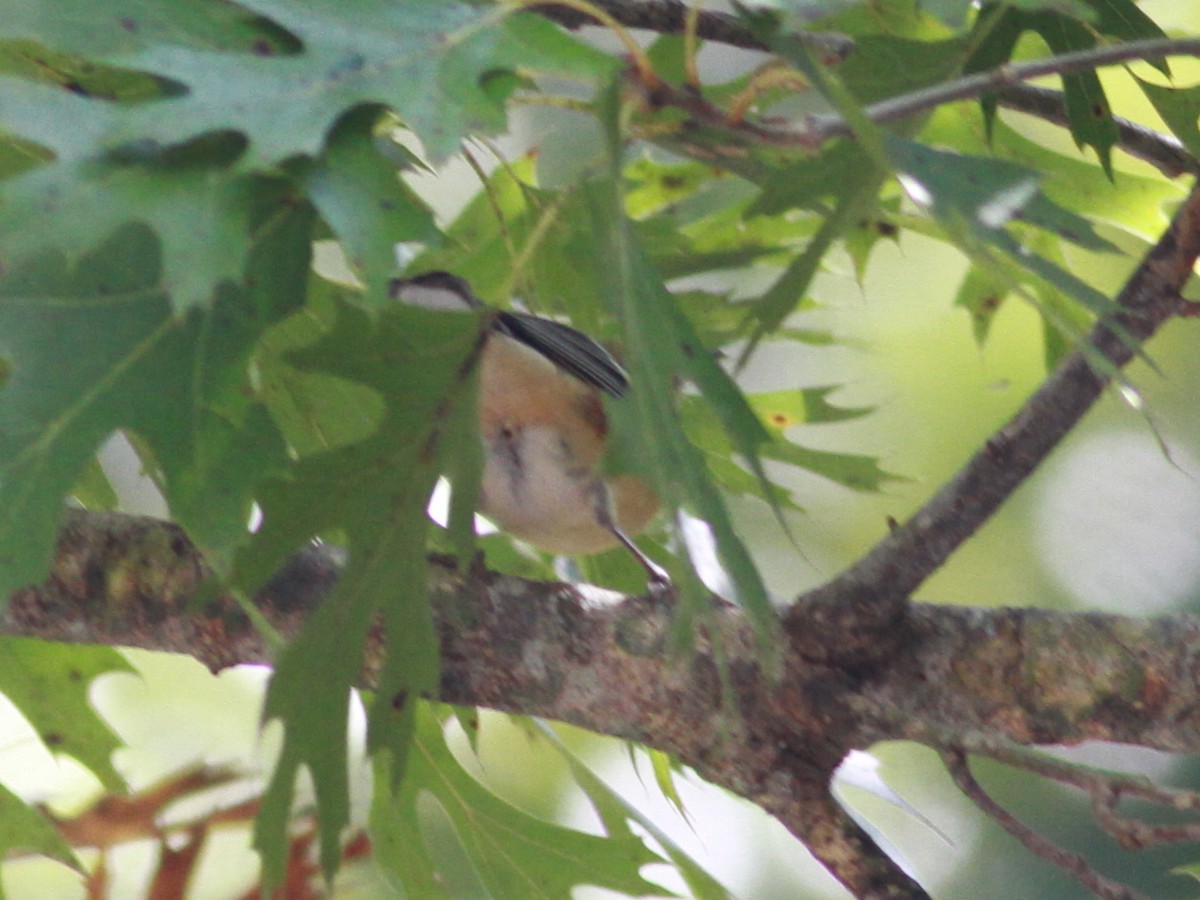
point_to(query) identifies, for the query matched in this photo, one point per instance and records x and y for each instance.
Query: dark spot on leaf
(779, 419)
(399, 701)
(76, 88)
(1099, 110)
(672, 181)
(887, 229)
(129, 24)
(688, 350)
(989, 304)
(75, 675)
(262, 48)
(53, 739)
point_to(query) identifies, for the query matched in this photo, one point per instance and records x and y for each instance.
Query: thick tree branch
(867, 598)
(603, 662)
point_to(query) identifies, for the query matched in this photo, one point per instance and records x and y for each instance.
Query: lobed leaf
(49, 684)
(374, 492)
(513, 853)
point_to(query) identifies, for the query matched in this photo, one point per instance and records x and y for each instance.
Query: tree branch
(1162, 151)
(669, 17)
(846, 615)
(604, 662)
(821, 128)
(956, 764)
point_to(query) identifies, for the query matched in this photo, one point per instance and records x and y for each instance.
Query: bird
(544, 430)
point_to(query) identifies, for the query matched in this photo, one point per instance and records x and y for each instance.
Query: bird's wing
(572, 351)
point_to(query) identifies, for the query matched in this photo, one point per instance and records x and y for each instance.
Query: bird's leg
(657, 579)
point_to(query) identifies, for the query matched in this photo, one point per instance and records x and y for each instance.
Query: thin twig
(1087, 777)
(1162, 151)
(822, 128)
(870, 594)
(1107, 789)
(1035, 843)
(1134, 834)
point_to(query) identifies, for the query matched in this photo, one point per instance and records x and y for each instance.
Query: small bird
(544, 430)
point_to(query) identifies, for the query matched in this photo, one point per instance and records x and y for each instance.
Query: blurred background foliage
(1111, 522)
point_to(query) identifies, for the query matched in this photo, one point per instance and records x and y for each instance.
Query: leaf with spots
(1088, 110)
(49, 684)
(211, 95)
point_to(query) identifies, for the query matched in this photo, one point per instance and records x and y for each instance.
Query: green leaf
(808, 183)
(1088, 110)
(31, 61)
(93, 490)
(49, 684)
(1191, 870)
(876, 226)
(362, 197)
(375, 492)
(118, 26)
(24, 828)
(199, 208)
(435, 62)
(789, 291)
(984, 195)
(664, 767)
(1064, 323)
(513, 853)
(779, 412)
(180, 384)
(1133, 203)
(975, 199)
(616, 814)
(884, 65)
(852, 470)
(1064, 31)
(806, 406)
(397, 841)
(661, 347)
(179, 162)
(981, 295)
(1179, 108)
(313, 410)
